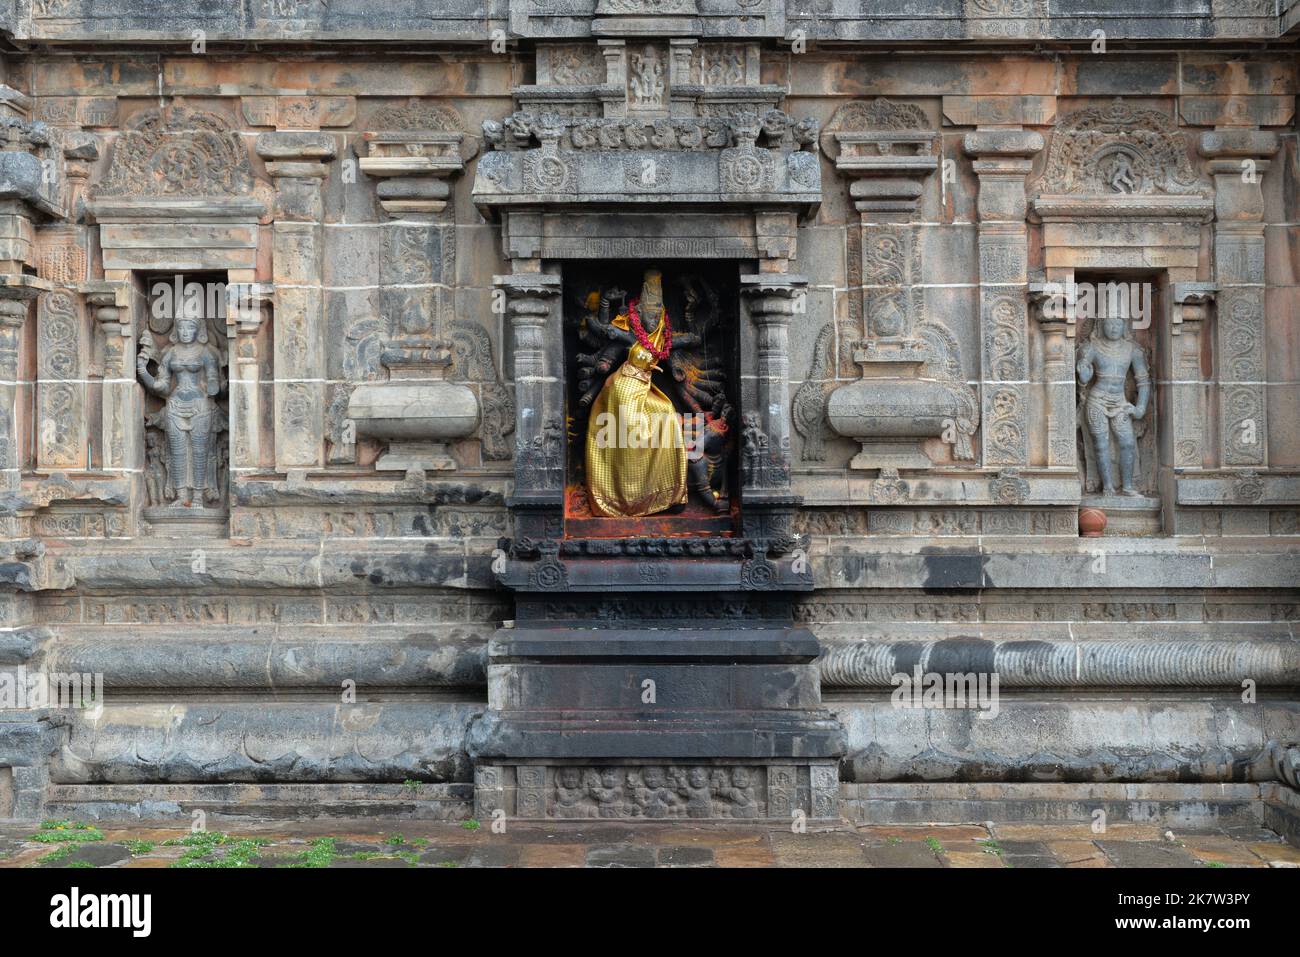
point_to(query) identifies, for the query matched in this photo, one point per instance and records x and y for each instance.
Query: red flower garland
(635, 317)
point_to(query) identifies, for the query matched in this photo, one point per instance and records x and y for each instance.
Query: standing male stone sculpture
(1108, 414)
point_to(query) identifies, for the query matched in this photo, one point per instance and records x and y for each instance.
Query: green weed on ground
(234, 853)
(320, 853)
(64, 832)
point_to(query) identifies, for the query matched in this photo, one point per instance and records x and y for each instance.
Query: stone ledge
(451, 657)
(1087, 736)
(235, 802)
(316, 741)
(1168, 805)
(472, 22)
(394, 565)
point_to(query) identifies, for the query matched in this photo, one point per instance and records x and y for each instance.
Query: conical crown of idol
(652, 285)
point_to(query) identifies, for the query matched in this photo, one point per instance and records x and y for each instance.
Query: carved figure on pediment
(177, 151)
(1109, 418)
(653, 797)
(737, 794)
(697, 793)
(1119, 149)
(608, 792)
(577, 65)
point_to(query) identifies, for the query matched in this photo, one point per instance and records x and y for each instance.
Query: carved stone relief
(1119, 149)
(178, 152)
(1115, 398)
(472, 354)
(808, 409)
(186, 420)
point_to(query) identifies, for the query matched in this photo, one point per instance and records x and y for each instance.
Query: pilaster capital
(296, 155)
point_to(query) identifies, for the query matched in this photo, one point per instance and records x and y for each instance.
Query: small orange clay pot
(1091, 522)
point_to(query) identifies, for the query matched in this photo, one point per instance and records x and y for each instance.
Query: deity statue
(647, 78)
(1103, 368)
(637, 459)
(188, 381)
(636, 453)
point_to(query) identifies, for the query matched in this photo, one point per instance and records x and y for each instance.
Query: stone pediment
(549, 159)
(179, 163)
(1120, 161)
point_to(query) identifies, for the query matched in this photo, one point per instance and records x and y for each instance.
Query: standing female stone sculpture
(188, 381)
(1107, 411)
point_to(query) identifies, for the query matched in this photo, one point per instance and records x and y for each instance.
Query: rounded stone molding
(417, 419)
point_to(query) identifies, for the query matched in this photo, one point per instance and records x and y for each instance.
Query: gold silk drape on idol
(628, 481)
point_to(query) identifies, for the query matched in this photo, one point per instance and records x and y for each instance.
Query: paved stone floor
(380, 843)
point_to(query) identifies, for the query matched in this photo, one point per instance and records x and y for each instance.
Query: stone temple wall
(393, 198)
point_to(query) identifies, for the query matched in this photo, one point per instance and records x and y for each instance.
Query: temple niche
(186, 382)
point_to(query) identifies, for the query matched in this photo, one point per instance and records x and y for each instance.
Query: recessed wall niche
(184, 369)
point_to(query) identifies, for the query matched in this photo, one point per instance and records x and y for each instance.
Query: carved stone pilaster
(119, 436)
(1002, 159)
(297, 164)
(532, 307)
(244, 322)
(909, 392)
(13, 316)
(774, 299)
(62, 363)
(1058, 374)
(1238, 159)
(1190, 304)
(80, 150)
